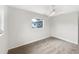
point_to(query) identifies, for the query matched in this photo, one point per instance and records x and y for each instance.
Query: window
(37, 23)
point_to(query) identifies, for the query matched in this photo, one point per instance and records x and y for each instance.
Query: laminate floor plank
(49, 45)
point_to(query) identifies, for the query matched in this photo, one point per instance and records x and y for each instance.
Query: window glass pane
(37, 23)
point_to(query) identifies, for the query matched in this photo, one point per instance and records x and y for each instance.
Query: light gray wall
(78, 27)
(20, 27)
(4, 37)
(21, 32)
(65, 27)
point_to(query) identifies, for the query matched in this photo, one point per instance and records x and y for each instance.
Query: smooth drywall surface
(78, 27)
(20, 27)
(65, 27)
(3, 26)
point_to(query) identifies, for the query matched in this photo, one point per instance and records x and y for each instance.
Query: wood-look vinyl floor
(47, 46)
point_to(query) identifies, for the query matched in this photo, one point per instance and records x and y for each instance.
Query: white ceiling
(46, 9)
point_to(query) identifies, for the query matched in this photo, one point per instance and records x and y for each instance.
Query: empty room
(39, 29)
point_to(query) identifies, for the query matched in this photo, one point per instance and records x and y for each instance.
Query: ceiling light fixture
(52, 10)
(52, 13)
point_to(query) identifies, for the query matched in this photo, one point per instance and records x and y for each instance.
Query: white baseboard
(34, 40)
(64, 39)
